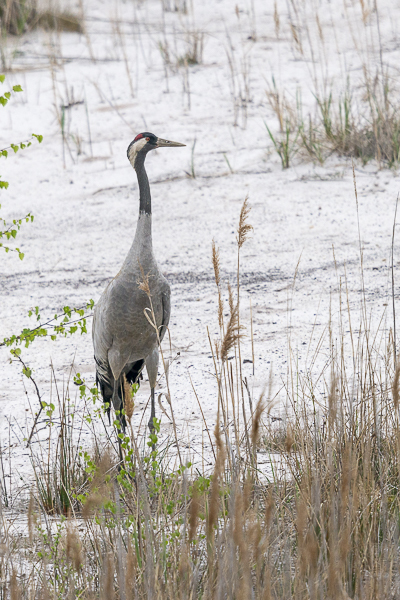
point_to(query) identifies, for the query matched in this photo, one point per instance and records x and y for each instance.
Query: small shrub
(19, 16)
(194, 49)
(63, 21)
(369, 130)
(286, 144)
(16, 14)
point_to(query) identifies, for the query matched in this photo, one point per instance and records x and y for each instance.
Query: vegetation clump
(338, 128)
(19, 16)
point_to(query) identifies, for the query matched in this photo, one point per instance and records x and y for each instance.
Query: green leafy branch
(21, 145)
(11, 230)
(7, 95)
(67, 326)
(63, 324)
(15, 148)
(16, 354)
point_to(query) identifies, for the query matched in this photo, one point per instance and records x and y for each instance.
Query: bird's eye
(148, 139)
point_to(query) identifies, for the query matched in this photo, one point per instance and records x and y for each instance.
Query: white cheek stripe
(135, 148)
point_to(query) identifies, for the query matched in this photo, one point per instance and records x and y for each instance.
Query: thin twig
(393, 302)
(202, 414)
(37, 393)
(24, 335)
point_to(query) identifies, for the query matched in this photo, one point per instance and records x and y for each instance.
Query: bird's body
(124, 338)
(122, 335)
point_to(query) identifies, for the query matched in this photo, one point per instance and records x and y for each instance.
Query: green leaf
(7, 95)
(4, 184)
(4, 153)
(15, 148)
(27, 372)
(17, 88)
(2, 78)
(3, 101)
(14, 233)
(21, 255)
(38, 137)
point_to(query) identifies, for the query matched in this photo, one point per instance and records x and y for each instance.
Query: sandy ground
(84, 195)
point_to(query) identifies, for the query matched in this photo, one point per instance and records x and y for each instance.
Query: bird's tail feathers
(111, 391)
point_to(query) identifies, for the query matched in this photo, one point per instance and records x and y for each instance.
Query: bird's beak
(166, 143)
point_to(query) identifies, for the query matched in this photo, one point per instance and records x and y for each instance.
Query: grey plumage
(124, 340)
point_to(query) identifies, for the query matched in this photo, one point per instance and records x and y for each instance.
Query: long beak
(166, 143)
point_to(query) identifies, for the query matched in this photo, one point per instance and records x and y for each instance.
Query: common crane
(123, 338)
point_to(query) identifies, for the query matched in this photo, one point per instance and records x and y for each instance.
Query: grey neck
(144, 187)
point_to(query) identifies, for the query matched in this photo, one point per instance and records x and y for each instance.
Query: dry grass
(57, 21)
(232, 333)
(341, 129)
(359, 118)
(338, 127)
(19, 16)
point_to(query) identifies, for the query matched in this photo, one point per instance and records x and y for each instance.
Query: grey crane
(123, 338)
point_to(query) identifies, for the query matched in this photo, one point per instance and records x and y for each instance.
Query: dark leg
(153, 411)
(117, 406)
(151, 367)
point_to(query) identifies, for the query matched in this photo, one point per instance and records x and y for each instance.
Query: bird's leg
(117, 406)
(152, 417)
(151, 366)
(153, 412)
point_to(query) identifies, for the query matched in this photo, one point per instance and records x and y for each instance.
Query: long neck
(144, 187)
(141, 249)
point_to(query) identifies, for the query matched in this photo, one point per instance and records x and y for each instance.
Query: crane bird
(124, 340)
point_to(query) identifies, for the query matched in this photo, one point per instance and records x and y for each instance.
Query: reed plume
(129, 404)
(232, 334)
(215, 487)
(215, 262)
(194, 513)
(143, 283)
(255, 430)
(244, 228)
(217, 276)
(14, 587)
(73, 547)
(131, 567)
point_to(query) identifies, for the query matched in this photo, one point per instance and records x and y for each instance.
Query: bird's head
(144, 142)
